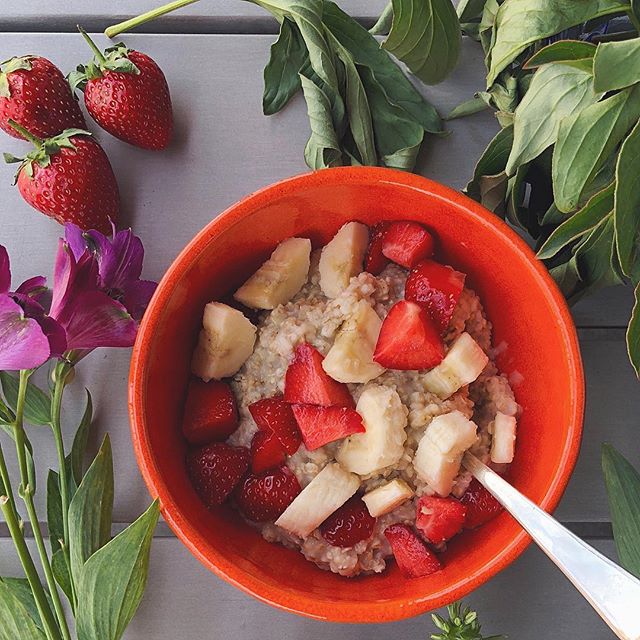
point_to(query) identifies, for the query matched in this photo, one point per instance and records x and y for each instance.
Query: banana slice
(439, 454)
(226, 341)
(279, 278)
(328, 491)
(387, 497)
(342, 258)
(462, 365)
(382, 444)
(350, 359)
(503, 443)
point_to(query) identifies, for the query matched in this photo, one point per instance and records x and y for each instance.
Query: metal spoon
(613, 592)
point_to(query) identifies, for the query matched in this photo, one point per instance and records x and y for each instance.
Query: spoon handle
(613, 592)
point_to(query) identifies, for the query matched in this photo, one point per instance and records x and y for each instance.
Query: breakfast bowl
(535, 344)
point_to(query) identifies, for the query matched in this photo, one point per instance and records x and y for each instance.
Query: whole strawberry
(126, 93)
(35, 94)
(69, 178)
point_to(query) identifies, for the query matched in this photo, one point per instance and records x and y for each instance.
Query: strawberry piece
(481, 505)
(437, 288)
(350, 524)
(263, 497)
(274, 415)
(266, 452)
(439, 519)
(321, 425)
(210, 413)
(407, 243)
(306, 382)
(408, 340)
(375, 261)
(216, 469)
(414, 558)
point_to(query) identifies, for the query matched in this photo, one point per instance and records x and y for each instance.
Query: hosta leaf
(623, 490)
(37, 406)
(16, 622)
(561, 51)
(425, 35)
(521, 23)
(493, 160)
(617, 65)
(633, 333)
(586, 141)
(21, 589)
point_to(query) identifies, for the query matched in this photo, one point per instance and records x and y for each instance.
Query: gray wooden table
(224, 149)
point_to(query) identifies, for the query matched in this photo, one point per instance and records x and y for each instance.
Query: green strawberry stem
(92, 45)
(27, 134)
(128, 25)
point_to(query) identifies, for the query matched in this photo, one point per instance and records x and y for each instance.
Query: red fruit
(407, 243)
(126, 93)
(274, 415)
(439, 519)
(321, 425)
(375, 260)
(216, 469)
(266, 452)
(481, 505)
(306, 382)
(414, 558)
(210, 412)
(35, 94)
(264, 497)
(437, 288)
(350, 524)
(408, 339)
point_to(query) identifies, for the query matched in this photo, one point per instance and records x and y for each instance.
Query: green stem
(92, 45)
(132, 23)
(383, 25)
(24, 132)
(6, 481)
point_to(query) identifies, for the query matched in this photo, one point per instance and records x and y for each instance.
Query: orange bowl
(537, 348)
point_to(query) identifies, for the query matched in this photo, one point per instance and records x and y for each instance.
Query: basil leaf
(623, 490)
(17, 622)
(617, 65)
(113, 580)
(566, 276)
(493, 191)
(281, 79)
(493, 161)
(561, 51)
(593, 256)
(470, 10)
(586, 140)
(521, 23)
(79, 447)
(487, 22)
(37, 405)
(469, 107)
(635, 8)
(425, 35)
(556, 91)
(633, 333)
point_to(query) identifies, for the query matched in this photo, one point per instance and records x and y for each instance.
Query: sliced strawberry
(439, 519)
(216, 469)
(481, 505)
(350, 524)
(413, 556)
(321, 425)
(275, 415)
(407, 243)
(375, 260)
(437, 288)
(306, 382)
(210, 413)
(266, 452)
(264, 497)
(408, 340)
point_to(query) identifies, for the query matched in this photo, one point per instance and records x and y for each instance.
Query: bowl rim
(344, 611)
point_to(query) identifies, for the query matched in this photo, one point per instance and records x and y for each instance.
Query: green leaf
(426, 36)
(579, 224)
(566, 276)
(79, 447)
(633, 333)
(37, 407)
(493, 191)
(469, 107)
(556, 91)
(16, 622)
(61, 574)
(493, 160)
(90, 510)
(21, 590)
(594, 254)
(521, 23)
(561, 51)
(470, 10)
(54, 510)
(623, 490)
(487, 22)
(585, 142)
(113, 581)
(281, 79)
(31, 467)
(617, 65)
(635, 8)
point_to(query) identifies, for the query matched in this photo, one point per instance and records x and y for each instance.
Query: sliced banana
(342, 258)
(387, 497)
(328, 491)
(464, 362)
(350, 359)
(382, 444)
(279, 278)
(226, 341)
(503, 429)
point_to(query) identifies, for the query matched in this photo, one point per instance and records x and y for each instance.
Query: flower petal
(23, 345)
(74, 236)
(33, 287)
(5, 270)
(119, 259)
(137, 296)
(55, 335)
